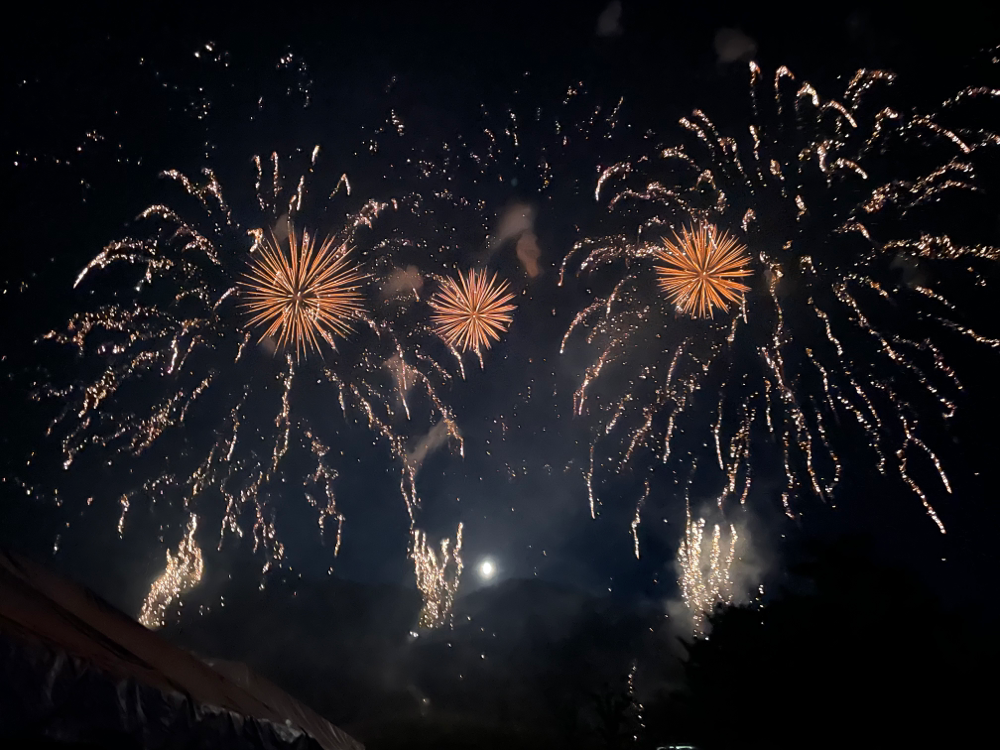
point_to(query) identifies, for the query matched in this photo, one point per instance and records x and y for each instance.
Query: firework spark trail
(704, 570)
(438, 573)
(182, 344)
(818, 334)
(325, 476)
(183, 572)
(638, 518)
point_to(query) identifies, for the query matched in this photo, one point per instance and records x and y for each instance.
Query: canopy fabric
(73, 668)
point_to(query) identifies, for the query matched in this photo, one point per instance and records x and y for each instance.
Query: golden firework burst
(471, 311)
(701, 268)
(304, 294)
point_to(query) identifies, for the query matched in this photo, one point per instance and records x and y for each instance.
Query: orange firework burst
(701, 270)
(471, 311)
(305, 294)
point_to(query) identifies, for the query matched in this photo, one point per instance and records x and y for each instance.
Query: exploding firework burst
(472, 312)
(176, 349)
(305, 295)
(700, 270)
(843, 330)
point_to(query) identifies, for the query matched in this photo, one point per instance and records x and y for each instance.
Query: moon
(487, 569)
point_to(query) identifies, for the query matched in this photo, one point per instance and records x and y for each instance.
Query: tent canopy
(75, 669)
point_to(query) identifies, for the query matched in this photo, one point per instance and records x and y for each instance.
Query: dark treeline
(851, 653)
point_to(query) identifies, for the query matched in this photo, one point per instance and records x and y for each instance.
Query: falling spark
(438, 573)
(472, 311)
(635, 707)
(183, 573)
(638, 519)
(700, 270)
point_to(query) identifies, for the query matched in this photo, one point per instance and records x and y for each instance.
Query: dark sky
(135, 79)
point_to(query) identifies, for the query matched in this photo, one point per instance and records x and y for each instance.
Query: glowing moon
(487, 569)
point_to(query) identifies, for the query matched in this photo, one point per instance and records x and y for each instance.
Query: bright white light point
(487, 569)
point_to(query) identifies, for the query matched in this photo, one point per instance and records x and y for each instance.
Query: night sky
(99, 103)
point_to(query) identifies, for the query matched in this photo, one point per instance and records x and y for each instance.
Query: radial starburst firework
(700, 269)
(304, 295)
(842, 335)
(472, 311)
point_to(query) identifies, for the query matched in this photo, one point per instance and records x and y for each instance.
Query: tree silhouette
(856, 654)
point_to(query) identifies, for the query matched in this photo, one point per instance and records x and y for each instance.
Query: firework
(305, 295)
(183, 573)
(635, 707)
(703, 569)
(472, 311)
(174, 346)
(438, 574)
(840, 331)
(700, 270)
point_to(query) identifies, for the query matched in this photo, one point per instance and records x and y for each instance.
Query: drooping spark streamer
(438, 574)
(703, 569)
(830, 341)
(304, 295)
(700, 270)
(175, 347)
(183, 573)
(638, 519)
(472, 312)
